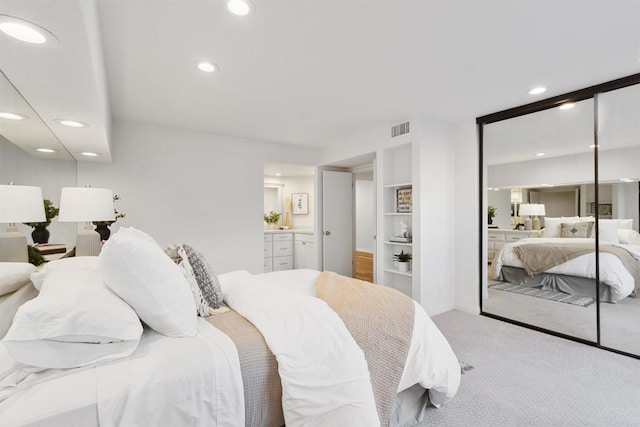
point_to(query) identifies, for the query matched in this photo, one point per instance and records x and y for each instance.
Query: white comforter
(612, 271)
(430, 360)
(324, 375)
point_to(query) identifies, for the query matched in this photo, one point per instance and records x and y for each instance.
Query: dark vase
(40, 234)
(103, 231)
(490, 219)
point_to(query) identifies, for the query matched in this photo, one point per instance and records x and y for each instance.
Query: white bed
(612, 271)
(190, 381)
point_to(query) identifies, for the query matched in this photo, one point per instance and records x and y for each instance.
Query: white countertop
(291, 230)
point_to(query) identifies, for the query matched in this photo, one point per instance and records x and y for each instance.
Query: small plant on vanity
(403, 261)
(491, 212)
(272, 219)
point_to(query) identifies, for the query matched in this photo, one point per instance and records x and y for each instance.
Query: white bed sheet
(166, 381)
(612, 271)
(430, 360)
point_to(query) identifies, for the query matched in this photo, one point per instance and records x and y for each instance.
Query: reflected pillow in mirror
(628, 237)
(576, 230)
(625, 224)
(608, 230)
(552, 225)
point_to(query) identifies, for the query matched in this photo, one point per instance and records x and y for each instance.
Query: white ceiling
(313, 72)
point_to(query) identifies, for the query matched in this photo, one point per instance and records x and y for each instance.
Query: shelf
(387, 242)
(390, 270)
(398, 213)
(406, 184)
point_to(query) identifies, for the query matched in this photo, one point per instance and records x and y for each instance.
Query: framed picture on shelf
(300, 203)
(403, 200)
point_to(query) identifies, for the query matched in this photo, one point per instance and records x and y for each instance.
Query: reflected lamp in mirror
(525, 211)
(538, 211)
(18, 203)
(86, 204)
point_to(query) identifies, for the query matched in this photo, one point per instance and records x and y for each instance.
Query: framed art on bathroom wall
(300, 203)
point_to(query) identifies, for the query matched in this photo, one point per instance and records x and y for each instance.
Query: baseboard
(468, 308)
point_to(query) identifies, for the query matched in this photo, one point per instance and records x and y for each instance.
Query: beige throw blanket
(380, 319)
(540, 257)
(262, 388)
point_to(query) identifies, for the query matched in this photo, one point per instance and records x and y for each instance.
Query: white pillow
(552, 225)
(628, 237)
(14, 275)
(625, 224)
(74, 321)
(140, 273)
(137, 233)
(608, 230)
(72, 263)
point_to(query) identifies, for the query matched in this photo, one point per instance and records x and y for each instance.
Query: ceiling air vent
(400, 129)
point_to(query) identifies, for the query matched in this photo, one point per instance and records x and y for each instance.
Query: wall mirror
(30, 154)
(561, 178)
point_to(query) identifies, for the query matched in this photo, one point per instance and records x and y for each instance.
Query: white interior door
(337, 222)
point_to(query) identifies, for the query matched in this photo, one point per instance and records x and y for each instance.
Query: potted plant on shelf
(404, 261)
(491, 212)
(272, 219)
(102, 227)
(40, 233)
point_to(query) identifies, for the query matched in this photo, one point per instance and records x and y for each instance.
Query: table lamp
(86, 204)
(538, 210)
(527, 209)
(18, 203)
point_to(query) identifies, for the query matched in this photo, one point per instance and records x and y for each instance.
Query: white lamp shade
(78, 204)
(538, 209)
(21, 203)
(526, 209)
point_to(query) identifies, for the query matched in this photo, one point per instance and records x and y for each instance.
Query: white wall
(364, 215)
(192, 187)
(437, 217)
(466, 219)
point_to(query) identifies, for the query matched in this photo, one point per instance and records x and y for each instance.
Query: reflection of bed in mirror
(567, 265)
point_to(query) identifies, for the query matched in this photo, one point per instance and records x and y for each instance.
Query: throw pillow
(207, 279)
(576, 230)
(552, 225)
(179, 256)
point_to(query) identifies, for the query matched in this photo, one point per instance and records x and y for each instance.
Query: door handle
(327, 233)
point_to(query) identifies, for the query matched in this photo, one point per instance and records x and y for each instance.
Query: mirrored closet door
(560, 215)
(618, 176)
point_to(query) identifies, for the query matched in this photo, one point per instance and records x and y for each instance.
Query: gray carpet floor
(522, 377)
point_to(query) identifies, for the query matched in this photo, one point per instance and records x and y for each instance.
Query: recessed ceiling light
(240, 7)
(594, 146)
(537, 90)
(626, 180)
(25, 31)
(540, 154)
(12, 116)
(72, 123)
(548, 185)
(567, 106)
(45, 150)
(89, 154)
(207, 67)
(278, 174)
